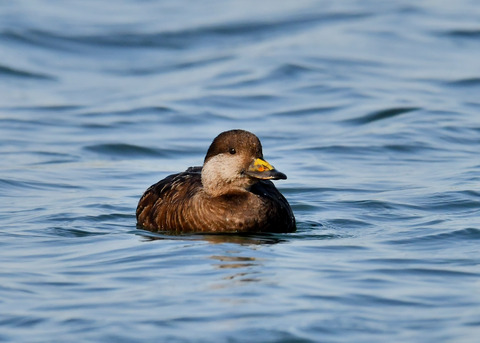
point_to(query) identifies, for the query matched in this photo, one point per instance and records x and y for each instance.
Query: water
(371, 109)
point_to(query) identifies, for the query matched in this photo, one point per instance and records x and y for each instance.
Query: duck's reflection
(246, 268)
(236, 261)
(234, 267)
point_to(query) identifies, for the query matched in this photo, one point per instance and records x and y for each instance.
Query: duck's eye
(232, 151)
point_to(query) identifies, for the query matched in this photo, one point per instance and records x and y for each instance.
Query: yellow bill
(261, 169)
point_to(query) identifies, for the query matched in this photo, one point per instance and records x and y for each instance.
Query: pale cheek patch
(221, 171)
(223, 167)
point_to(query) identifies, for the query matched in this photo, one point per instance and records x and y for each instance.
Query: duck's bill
(261, 169)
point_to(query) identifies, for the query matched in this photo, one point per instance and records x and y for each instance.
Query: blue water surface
(371, 108)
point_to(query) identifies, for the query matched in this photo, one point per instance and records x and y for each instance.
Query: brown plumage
(231, 193)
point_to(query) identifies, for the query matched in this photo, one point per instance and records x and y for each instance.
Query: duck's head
(234, 162)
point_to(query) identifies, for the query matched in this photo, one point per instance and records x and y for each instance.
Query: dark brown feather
(168, 206)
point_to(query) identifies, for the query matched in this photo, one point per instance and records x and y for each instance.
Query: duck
(231, 193)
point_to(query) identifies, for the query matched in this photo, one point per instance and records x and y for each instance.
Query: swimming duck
(231, 193)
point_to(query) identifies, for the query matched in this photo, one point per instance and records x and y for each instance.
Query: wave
(18, 73)
(381, 115)
(128, 150)
(184, 38)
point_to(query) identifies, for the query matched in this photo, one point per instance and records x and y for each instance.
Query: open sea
(371, 108)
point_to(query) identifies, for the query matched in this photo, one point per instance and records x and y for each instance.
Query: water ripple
(463, 33)
(381, 115)
(128, 150)
(468, 82)
(181, 39)
(12, 72)
(467, 235)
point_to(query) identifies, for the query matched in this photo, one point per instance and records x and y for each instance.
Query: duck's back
(162, 205)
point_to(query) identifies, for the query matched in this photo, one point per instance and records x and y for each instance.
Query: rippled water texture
(371, 108)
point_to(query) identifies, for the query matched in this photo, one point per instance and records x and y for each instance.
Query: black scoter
(230, 193)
